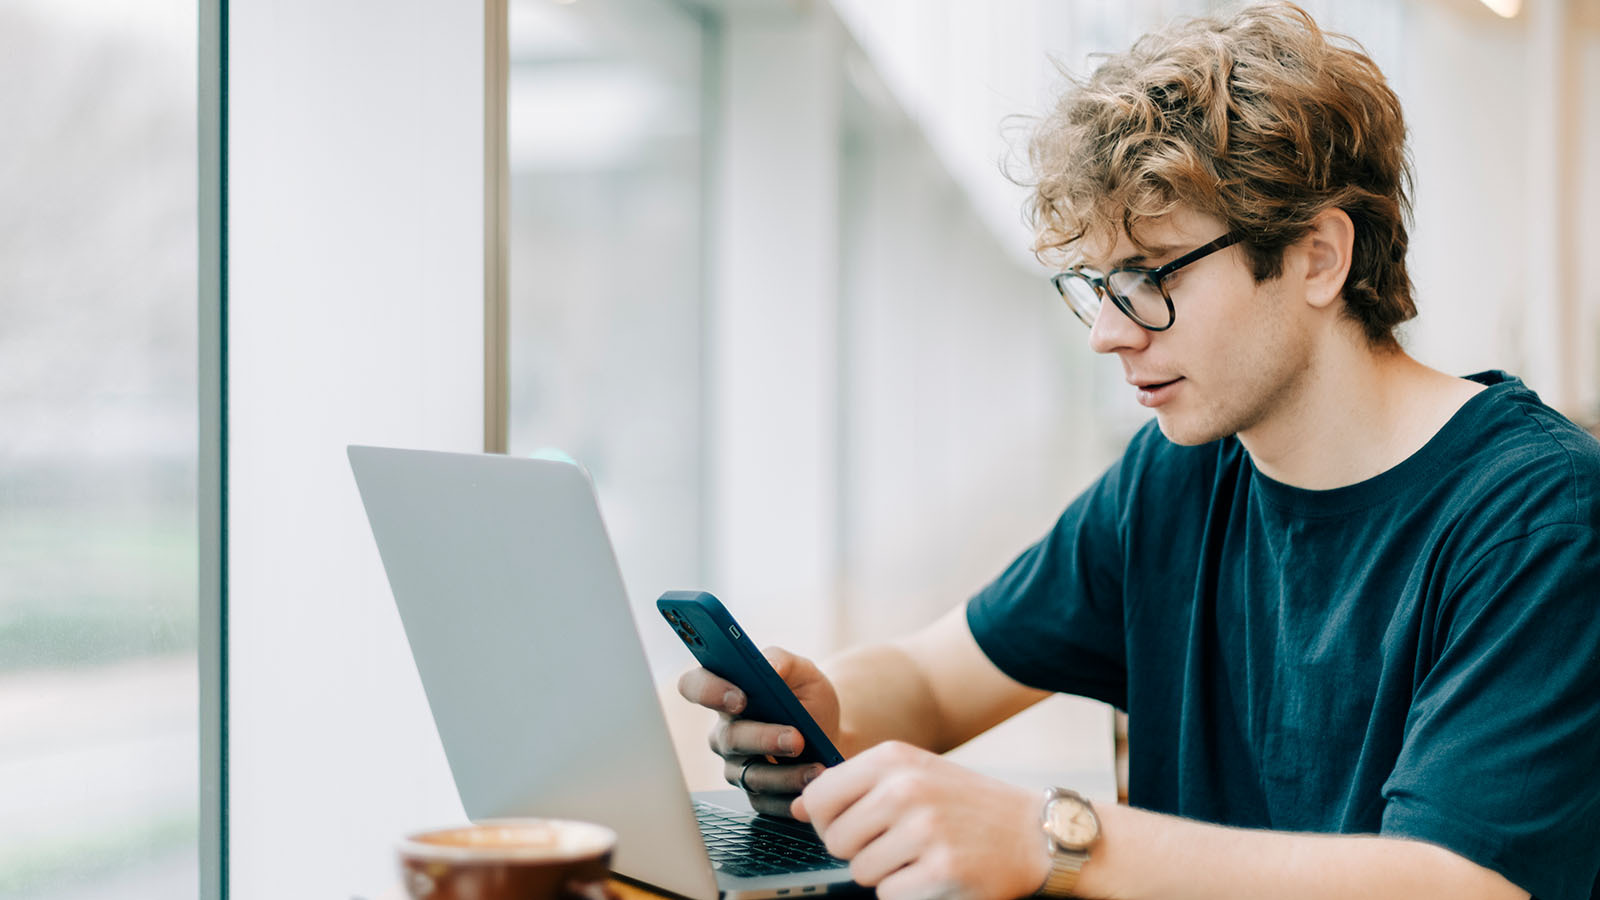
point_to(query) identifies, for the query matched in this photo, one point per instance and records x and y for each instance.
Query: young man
(1351, 604)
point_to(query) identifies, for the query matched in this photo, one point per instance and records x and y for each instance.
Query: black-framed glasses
(1139, 292)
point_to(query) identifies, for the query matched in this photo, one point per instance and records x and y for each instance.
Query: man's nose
(1113, 331)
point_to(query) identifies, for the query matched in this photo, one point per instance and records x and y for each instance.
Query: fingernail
(812, 773)
(788, 743)
(733, 701)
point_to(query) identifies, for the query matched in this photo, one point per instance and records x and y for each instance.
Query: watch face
(1073, 823)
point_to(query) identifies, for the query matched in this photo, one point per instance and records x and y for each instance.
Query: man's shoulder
(1515, 451)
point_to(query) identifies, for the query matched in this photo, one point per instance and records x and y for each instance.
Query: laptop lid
(518, 622)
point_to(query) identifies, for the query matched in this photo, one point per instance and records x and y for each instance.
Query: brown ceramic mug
(510, 859)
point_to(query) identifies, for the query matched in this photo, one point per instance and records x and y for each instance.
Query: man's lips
(1150, 384)
(1155, 393)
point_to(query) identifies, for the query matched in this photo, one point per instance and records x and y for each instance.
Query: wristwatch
(1070, 829)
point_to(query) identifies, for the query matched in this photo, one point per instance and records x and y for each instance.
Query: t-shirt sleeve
(1500, 761)
(1053, 619)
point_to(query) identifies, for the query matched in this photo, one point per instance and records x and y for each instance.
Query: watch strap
(1065, 866)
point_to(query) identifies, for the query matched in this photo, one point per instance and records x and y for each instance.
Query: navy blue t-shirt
(1416, 655)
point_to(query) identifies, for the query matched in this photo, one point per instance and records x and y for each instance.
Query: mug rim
(412, 847)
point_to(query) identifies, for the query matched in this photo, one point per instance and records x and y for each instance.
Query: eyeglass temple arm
(1196, 253)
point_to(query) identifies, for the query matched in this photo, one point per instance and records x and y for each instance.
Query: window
(98, 692)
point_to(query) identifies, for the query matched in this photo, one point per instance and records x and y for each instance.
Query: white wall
(355, 298)
(1468, 259)
(965, 430)
(1501, 116)
(772, 349)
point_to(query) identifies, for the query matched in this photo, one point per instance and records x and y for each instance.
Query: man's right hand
(754, 753)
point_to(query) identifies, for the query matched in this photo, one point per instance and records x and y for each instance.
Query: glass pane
(98, 692)
(606, 151)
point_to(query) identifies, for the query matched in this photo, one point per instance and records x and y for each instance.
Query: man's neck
(1359, 412)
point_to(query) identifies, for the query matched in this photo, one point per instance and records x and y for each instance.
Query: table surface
(628, 891)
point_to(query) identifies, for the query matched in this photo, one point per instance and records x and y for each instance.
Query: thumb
(790, 668)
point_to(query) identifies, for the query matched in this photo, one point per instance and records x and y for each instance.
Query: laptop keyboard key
(747, 845)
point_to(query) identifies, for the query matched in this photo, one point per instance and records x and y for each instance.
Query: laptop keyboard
(746, 844)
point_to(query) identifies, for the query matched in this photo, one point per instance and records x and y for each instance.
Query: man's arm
(935, 689)
(1144, 854)
(915, 825)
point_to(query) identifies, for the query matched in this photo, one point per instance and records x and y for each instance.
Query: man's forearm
(882, 696)
(934, 689)
(1147, 855)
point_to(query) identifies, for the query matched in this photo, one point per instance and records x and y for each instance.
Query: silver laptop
(518, 622)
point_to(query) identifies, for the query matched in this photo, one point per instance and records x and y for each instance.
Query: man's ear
(1327, 249)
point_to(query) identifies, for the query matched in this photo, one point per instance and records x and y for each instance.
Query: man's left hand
(915, 826)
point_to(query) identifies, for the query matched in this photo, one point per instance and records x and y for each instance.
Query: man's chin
(1185, 432)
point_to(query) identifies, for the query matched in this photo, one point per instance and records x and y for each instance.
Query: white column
(355, 314)
(773, 344)
(1548, 334)
(1584, 205)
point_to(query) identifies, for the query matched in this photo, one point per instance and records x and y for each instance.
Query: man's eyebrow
(1153, 252)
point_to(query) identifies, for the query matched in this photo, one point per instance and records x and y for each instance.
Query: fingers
(743, 737)
(888, 853)
(698, 685)
(867, 822)
(770, 787)
(771, 804)
(843, 785)
(762, 777)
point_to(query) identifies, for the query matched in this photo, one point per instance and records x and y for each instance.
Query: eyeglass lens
(1082, 297)
(1141, 294)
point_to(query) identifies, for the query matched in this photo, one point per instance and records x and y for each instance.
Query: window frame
(212, 468)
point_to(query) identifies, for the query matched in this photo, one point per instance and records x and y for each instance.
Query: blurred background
(99, 784)
(765, 278)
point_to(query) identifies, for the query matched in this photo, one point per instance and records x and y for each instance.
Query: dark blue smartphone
(716, 640)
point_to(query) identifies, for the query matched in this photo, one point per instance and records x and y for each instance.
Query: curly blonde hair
(1262, 120)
